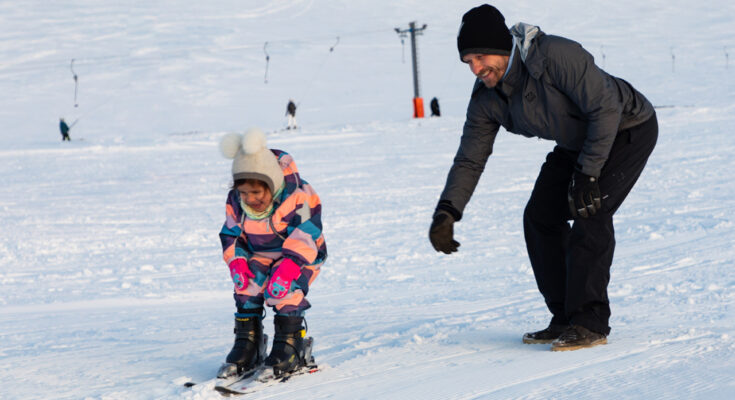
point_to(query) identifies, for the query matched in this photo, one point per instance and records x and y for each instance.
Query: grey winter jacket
(552, 90)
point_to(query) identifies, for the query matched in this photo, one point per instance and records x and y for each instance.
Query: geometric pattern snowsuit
(293, 230)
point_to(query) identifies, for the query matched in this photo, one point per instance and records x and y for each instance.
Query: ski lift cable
(153, 59)
(318, 71)
(99, 105)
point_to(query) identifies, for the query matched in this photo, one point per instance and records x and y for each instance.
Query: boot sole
(537, 341)
(579, 346)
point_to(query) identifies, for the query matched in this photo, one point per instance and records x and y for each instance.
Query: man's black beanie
(483, 31)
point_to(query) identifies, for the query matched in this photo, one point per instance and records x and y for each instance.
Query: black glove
(441, 233)
(584, 195)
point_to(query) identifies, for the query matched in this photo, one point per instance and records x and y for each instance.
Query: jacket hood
(523, 35)
(523, 38)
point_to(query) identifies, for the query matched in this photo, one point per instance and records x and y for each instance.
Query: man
(64, 128)
(546, 86)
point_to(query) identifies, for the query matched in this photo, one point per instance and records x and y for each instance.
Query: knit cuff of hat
(483, 50)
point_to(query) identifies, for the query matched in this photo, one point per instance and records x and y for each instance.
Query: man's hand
(584, 195)
(441, 233)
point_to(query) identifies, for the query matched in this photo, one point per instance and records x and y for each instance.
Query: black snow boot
(577, 337)
(249, 348)
(291, 349)
(548, 335)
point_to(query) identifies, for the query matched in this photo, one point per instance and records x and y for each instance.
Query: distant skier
(291, 115)
(435, 108)
(64, 128)
(273, 245)
(546, 86)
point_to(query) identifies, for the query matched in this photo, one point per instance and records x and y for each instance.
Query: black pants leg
(547, 231)
(572, 263)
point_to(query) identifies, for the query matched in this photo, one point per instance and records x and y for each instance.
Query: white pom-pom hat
(251, 159)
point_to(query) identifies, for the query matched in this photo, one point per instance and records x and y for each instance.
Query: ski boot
(291, 349)
(249, 349)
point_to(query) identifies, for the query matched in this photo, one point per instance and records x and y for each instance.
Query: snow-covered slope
(111, 279)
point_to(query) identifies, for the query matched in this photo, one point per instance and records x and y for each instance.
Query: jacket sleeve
(572, 70)
(234, 241)
(304, 243)
(476, 145)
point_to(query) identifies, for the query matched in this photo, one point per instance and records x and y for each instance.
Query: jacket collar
(512, 78)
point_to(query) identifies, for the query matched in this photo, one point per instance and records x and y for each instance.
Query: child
(273, 245)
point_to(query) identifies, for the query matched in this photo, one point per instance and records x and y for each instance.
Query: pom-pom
(253, 141)
(230, 145)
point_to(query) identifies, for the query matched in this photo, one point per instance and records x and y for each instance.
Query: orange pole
(418, 107)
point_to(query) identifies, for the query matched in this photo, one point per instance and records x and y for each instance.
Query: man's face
(490, 68)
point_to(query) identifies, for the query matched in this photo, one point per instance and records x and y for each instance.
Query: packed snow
(111, 279)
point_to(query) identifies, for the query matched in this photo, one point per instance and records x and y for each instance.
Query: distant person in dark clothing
(435, 108)
(64, 128)
(291, 114)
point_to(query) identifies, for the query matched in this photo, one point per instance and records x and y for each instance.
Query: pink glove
(240, 273)
(281, 279)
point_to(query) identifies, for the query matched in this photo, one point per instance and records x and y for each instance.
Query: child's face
(257, 197)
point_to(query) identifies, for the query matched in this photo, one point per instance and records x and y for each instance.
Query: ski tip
(225, 391)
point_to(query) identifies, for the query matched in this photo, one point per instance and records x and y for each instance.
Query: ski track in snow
(111, 279)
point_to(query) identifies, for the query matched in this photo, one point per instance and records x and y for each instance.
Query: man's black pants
(572, 264)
